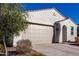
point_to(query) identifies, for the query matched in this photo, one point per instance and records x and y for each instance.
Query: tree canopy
(12, 20)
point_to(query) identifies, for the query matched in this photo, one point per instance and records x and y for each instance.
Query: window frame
(72, 30)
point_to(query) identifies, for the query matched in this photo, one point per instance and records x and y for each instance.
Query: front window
(72, 30)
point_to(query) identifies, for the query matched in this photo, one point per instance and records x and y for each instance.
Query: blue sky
(67, 9)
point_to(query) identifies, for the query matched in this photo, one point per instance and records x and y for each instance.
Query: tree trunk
(5, 45)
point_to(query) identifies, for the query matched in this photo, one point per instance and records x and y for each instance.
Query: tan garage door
(38, 34)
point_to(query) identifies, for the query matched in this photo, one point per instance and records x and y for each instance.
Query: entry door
(64, 34)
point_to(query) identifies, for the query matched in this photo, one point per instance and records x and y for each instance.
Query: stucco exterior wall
(46, 16)
(68, 24)
(17, 38)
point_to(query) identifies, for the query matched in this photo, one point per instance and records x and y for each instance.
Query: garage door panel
(38, 34)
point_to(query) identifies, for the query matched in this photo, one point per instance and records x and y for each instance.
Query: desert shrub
(24, 47)
(2, 49)
(77, 40)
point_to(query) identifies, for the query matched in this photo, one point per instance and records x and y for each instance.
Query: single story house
(48, 26)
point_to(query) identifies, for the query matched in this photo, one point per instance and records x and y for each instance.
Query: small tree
(12, 21)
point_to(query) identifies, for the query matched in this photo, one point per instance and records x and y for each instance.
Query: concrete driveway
(57, 49)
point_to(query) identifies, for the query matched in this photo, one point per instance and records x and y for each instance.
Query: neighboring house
(48, 26)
